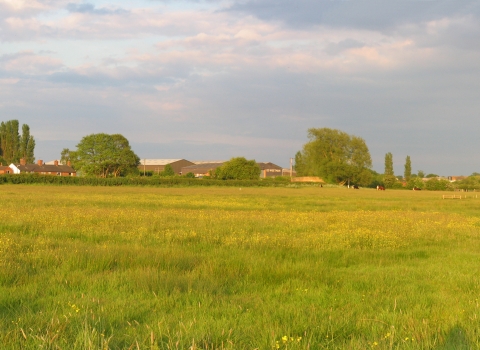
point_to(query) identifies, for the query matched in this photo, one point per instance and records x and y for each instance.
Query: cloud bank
(217, 79)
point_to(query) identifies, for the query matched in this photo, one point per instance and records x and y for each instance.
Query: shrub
(435, 184)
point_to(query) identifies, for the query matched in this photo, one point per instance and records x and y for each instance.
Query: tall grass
(216, 268)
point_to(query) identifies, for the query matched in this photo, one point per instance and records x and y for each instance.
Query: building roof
(201, 166)
(208, 161)
(47, 168)
(268, 166)
(158, 161)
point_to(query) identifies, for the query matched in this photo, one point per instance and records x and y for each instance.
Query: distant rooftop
(208, 161)
(158, 161)
(202, 166)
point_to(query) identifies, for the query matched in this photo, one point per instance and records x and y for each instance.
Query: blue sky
(219, 79)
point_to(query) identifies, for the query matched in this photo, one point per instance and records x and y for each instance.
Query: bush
(237, 169)
(415, 182)
(470, 183)
(167, 171)
(398, 186)
(435, 184)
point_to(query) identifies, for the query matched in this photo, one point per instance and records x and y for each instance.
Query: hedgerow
(133, 181)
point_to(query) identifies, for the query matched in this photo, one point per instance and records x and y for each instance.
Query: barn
(158, 165)
(202, 168)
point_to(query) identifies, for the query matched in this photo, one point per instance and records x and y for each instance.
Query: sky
(216, 79)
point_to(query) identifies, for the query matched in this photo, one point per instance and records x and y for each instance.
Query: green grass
(231, 268)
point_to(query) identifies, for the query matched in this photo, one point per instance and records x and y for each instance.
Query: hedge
(133, 181)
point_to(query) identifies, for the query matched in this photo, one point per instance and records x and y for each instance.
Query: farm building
(272, 170)
(43, 169)
(202, 168)
(158, 165)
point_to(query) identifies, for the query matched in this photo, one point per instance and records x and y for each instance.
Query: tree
(421, 174)
(299, 165)
(103, 155)
(12, 146)
(335, 156)
(237, 169)
(168, 171)
(124, 161)
(435, 184)
(389, 178)
(408, 169)
(415, 182)
(68, 156)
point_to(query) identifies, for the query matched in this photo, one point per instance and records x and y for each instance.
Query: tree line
(331, 154)
(340, 158)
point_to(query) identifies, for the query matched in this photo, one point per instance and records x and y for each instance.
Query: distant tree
(237, 169)
(475, 174)
(470, 183)
(435, 184)
(377, 179)
(27, 145)
(124, 160)
(408, 169)
(299, 165)
(68, 155)
(389, 178)
(13, 147)
(190, 175)
(421, 174)
(168, 171)
(103, 155)
(415, 182)
(431, 175)
(335, 156)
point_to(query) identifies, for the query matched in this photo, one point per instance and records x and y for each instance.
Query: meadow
(231, 268)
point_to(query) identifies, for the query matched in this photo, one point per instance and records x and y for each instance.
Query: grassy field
(230, 268)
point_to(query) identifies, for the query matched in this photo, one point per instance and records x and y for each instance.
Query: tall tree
(27, 145)
(389, 177)
(299, 163)
(335, 156)
(12, 146)
(103, 155)
(408, 169)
